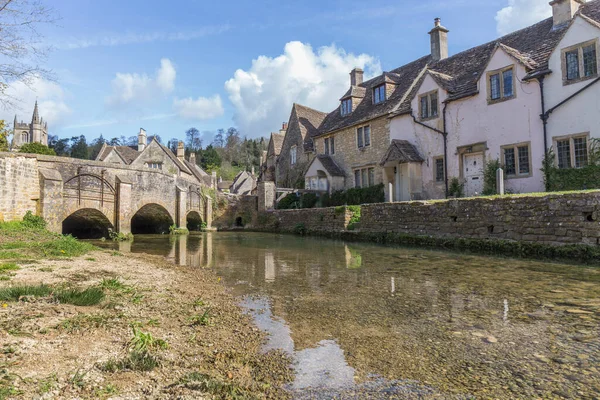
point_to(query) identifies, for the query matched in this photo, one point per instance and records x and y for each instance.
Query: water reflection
(423, 322)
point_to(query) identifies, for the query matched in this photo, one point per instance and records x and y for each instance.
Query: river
(368, 321)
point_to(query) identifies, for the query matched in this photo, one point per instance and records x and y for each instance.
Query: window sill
(429, 118)
(363, 148)
(567, 82)
(501, 100)
(510, 177)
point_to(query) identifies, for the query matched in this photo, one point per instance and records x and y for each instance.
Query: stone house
(485, 104)
(34, 132)
(297, 147)
(269, 164)
(156, 156)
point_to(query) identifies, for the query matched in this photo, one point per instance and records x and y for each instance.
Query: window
(580, 62)
(154, 165)
(379, 94)
(293, 151)
(516, 160)
(363, 137)
(428, 104)
(501, 85)
(346, 106)
(329, 145)
(364, 177)
(572, 151)
(439, 169)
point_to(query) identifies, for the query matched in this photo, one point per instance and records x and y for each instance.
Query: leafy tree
(36, 148)
(157, 137)
(114, 142)
(172, 145)
(194, 141)
(3, 136)
(96, 146)
(79, 147)
(60, 146)
(219, 141)
(210, 159)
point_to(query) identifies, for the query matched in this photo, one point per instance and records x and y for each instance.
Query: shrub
(119, 236)
(300, 229)
(456, 189)
(355, 219)
(174, 230)
(33, 221)
(37, 148)
(489, 177)
(565, 179)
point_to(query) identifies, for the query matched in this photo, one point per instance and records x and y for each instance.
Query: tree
(172, 144)
(219, 141)
(114, 142)
(210, 159)
(194, 141)
(36, 148)
(60, 146)
(3, 136)
(22, 47)
(96, 146)
(79, 147)
(157, 137)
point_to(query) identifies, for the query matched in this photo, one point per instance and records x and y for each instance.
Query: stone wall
(19, 187)
(547, 220)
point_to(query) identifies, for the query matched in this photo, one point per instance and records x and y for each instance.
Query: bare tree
(22, 48)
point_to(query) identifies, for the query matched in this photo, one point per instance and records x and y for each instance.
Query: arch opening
(239, 222)
(151, 219)
(87, 223)
(194, 222)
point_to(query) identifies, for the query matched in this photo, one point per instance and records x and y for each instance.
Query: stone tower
(36, 131)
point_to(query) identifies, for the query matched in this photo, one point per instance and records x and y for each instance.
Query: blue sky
(167, 66)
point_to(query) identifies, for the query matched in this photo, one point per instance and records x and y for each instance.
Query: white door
(402, 183)
(473, 174)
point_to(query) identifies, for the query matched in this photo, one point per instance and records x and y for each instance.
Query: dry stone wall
(19, 187)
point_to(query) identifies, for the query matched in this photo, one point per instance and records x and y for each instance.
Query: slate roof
(198, 172)
(309, 120)
(127, 153)
(401, 151)
(330, 165)
(277, 140)
(173, 157)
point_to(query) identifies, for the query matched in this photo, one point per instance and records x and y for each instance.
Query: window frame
(294, 155)
(365, 171)
(154, 165)
(382, 89)
(571, 139)
(346, 107)
(580, 59)
(427, 96)
(435, 171)
(500, 72)
(515, 147)
(326, 146)
(363, 145)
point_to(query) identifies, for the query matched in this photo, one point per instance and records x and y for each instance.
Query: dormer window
(379, 94)
(580, 62)
(501, 85)
(428, 105)
(346, 106)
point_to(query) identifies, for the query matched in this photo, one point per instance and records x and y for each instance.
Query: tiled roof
(173, 157)
(330, 165)
(277, 139)
(401, 151)
(127, 153)
(309, 120)
(197, 172)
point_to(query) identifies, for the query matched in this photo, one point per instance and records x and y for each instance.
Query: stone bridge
(87, 198)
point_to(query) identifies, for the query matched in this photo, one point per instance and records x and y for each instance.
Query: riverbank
(79, 322)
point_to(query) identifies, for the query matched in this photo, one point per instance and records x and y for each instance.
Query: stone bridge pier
(88, 198)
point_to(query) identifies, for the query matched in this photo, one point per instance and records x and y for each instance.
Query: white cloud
(520, 14)
(201, 109)
(264, 94)
(130, 87)
(51, 101)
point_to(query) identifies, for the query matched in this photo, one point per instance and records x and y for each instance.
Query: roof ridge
(309, 108)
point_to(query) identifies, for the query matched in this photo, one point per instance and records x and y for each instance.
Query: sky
(166, 66)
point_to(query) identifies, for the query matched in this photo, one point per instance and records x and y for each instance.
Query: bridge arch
(152, 218)
(194, 221)
(87, 223)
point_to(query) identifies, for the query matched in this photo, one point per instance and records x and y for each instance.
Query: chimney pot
(193, 158)
(563, 11)
(142, 140)
(439, 41)
(356, 76)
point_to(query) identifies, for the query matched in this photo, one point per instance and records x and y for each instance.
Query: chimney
(356, 77)
(439, 41)
(141, 140)
(180, 151)
(193, 158)
(283, 129)
(563, 11)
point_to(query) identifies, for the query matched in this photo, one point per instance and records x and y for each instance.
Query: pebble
(491, 339)
(542, 358)
(577, 311)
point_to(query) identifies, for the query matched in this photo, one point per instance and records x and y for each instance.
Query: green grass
(86, 297)
(65, 246)
(144, 341)
(115, 284)
(201, 319)
(83, 322)
(8, 267)
(10, 255)
(135, 361)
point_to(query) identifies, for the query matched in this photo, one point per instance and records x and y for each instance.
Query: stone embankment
(552, 225)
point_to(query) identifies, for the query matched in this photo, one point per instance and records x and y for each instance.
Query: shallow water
(367, 321)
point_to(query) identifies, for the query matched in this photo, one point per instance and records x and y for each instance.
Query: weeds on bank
(140, 355)
(86, 297)
(46, 385)
(82, 322)
(5, 268)
(201, 319)
(214, 386)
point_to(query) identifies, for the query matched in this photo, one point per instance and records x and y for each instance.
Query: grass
(201, 319)
(4, 268)
(214, 386)
(86, 297)
(10, 255)
(144, 342)
(135, 361)
(115, 284)
(83, 322)
(46, 385)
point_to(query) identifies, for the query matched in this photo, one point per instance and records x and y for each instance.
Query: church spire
(36, 115)
(15, 123)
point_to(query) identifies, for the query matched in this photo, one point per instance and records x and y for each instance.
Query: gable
(582, 29)
(154, 153)
(113, 157)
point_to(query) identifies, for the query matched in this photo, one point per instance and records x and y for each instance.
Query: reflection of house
(156, 156)
(415, 127)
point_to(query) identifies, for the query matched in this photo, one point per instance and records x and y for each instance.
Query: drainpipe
(444, 133)
(545, 116)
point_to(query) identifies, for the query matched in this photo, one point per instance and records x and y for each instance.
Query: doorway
(473, 174)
